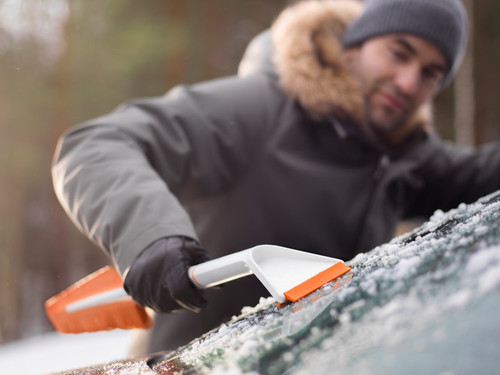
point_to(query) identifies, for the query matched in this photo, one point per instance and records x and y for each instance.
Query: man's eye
(399, 54)
(431, 76)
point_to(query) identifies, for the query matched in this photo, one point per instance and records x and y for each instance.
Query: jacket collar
(310, 63)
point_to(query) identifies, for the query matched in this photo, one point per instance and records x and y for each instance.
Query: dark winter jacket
(280, 157)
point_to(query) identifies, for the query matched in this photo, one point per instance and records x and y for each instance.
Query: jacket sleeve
(455, 174)
(121, 177)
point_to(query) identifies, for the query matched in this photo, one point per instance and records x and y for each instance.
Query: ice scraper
(99, 302)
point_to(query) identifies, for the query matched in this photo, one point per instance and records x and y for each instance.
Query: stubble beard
(381, 119)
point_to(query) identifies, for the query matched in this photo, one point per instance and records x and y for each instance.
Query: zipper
(383, 164)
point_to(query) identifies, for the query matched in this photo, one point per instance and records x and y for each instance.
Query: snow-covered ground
(54, 352)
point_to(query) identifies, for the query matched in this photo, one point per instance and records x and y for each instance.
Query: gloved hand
(158, 277)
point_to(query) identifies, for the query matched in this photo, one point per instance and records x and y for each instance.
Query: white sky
(42, 19)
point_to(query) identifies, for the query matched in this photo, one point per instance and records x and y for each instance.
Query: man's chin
(384, 127)
(387, 128)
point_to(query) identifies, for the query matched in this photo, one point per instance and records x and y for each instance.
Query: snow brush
(98, 302)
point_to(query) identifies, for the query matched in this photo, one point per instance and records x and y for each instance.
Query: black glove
(158, 277)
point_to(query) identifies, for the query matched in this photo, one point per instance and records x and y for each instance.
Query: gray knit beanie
(442, 22)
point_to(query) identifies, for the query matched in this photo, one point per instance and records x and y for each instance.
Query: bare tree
(465, 106)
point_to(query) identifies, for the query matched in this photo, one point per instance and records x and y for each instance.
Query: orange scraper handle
(123, 313)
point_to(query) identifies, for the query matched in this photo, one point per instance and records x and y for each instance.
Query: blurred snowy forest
(66, 61)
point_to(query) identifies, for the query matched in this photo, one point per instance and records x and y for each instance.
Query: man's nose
(407, 80)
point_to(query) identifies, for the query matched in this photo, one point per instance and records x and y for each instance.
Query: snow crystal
(460, 299)
(405, 267)
(483, 259)
(437, 217)
(489, 281)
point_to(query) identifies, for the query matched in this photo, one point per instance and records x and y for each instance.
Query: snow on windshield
(427, 302)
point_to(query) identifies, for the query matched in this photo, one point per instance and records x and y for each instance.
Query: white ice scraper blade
(286, 273)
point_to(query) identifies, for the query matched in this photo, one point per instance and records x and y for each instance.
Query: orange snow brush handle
(67, 317)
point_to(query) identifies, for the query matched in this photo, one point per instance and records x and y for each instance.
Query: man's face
(397, 73)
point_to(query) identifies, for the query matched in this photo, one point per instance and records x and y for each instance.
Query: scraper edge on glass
(98, 302)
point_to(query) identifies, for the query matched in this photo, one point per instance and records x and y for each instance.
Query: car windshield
(426, 302)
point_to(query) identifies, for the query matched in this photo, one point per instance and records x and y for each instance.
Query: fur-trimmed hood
(310, 62)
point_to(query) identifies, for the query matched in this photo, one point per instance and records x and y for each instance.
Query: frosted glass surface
(427, 302)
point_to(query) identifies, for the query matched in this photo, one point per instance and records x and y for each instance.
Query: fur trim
(310, 62)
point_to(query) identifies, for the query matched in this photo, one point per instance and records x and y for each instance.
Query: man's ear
(351, 57)
(435, 92)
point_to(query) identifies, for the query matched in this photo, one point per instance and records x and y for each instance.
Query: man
(324, 150)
